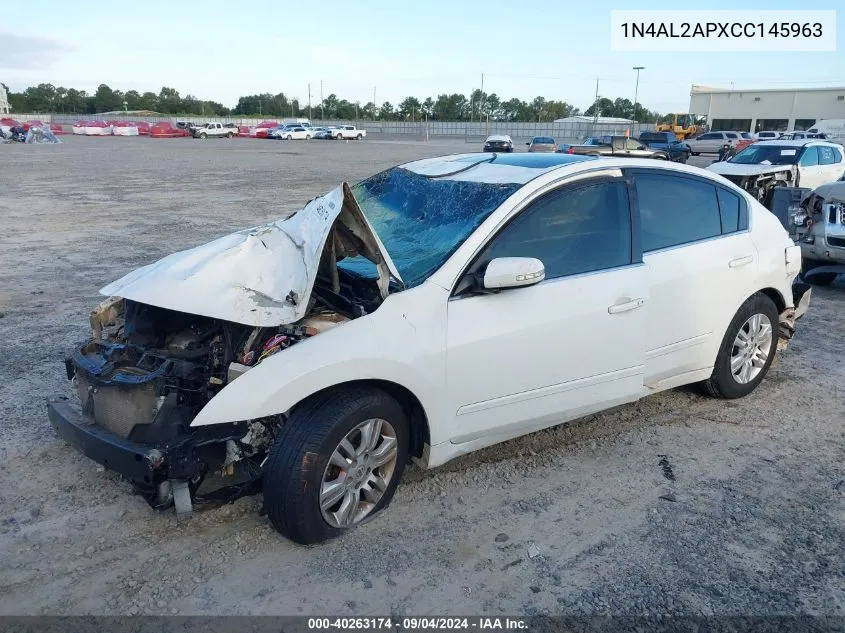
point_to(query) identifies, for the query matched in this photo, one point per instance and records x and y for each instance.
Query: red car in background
(263, 128)
(165, 129)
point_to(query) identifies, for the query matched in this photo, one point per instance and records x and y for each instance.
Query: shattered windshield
(767, 155)
(421, 220)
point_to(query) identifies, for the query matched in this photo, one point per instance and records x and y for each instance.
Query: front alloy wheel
(335, 462)
(358, 473)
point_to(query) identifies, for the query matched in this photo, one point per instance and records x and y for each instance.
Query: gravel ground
(677, 504)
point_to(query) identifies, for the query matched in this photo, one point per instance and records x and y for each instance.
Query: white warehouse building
(769, 109)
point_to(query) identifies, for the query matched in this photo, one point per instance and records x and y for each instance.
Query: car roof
(493, 168)
(798, 142)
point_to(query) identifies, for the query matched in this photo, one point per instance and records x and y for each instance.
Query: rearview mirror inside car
(513, 272)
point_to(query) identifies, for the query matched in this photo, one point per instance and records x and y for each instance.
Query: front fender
(386, 345)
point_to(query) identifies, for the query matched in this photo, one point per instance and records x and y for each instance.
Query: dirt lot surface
(677, 504)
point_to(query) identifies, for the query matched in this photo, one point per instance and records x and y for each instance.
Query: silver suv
(818, 226)
(712, 142)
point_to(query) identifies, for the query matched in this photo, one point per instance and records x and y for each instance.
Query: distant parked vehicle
(797, 136)
(833, 129)
(619, 146)
(768, 135)
(678, 151)
(765, 165)
(322, 132)
(498, 143)
(712, 142)
(348, 132)
(214, 130)
(542, 144)
(294, 132)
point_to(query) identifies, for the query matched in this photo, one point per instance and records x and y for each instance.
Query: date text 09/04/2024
(416, 623)
(721, 29)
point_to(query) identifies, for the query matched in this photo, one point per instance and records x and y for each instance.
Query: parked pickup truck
(213, 129)
(348, 132)
(666, 142)
(618, 146)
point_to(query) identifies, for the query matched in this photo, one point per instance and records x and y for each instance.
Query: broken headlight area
(146, 372)
(761, 185)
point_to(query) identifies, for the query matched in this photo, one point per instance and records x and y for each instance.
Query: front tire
(335, 463)
(747, 351)
(203, 136)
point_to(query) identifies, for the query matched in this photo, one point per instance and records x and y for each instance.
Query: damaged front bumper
(157, 471)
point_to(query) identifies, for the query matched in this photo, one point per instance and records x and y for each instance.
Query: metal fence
(470, 132)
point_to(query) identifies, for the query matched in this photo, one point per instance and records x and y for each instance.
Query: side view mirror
(513, 272)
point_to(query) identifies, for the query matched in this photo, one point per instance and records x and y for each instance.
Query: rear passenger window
(809, 158)
(837, 155)
(574, 230)
(826, 156)
(733, 211)
(676, 210)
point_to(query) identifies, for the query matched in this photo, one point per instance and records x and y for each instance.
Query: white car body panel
(487, 368)
(246, 277)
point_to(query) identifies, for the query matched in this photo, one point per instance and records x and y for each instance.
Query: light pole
(636, 89)
(322, 107)
(309, 102)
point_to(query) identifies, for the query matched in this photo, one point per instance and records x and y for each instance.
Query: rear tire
(359, 137)
(301, 463)
(203, 136)
(728, 380)
(229, 135)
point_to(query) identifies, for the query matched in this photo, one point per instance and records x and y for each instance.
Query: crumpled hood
(830, 192)
(261, 276)
(735, 169)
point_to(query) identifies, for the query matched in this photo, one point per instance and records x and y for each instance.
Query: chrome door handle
(633, 304)
(741, 261)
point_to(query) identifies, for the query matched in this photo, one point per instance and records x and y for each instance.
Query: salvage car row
(657, 145)
(300, 130)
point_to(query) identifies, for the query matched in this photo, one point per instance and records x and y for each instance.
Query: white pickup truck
(348, 132)
(213, 129)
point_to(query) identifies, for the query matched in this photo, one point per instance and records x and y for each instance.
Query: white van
(831, 128)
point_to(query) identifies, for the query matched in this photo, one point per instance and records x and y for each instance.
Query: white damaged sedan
(431, 310)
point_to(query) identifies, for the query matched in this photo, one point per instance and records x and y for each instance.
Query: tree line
(478, 106)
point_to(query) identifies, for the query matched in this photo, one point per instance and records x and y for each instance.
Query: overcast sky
(216, 50)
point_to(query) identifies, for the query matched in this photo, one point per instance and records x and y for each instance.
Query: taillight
(571, 150)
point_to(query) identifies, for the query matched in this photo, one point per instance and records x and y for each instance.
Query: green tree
(409, 108)
(386, 112)
(106, 99)
(169, 101)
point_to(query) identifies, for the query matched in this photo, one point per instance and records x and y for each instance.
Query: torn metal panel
(261, 276)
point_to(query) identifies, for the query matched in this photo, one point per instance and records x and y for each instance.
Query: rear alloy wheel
(747, 351)
(335, 463)
(359, 137)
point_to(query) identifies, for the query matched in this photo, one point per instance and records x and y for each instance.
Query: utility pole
(596, 104)
(636, 89)
(374, 103)
(309, 102)
(259, 106)
(481, 99)
(322, 106)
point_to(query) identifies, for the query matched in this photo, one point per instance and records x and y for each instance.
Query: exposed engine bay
(148, 368)
(760, 185)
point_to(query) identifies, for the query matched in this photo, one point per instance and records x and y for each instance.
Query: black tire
(359, 137)
(722, 383)
(203, 136)
(229, 135)
(821, 279)
(683, 158)
(695, 153)
(301, 451)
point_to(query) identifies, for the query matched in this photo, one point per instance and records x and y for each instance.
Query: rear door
(811, 172)
(701, 264)
(525, 358)
(830, 158)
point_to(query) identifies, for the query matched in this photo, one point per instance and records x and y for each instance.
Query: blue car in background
(678, 151)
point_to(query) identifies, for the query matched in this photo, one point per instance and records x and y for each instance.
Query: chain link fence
(472, 132)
